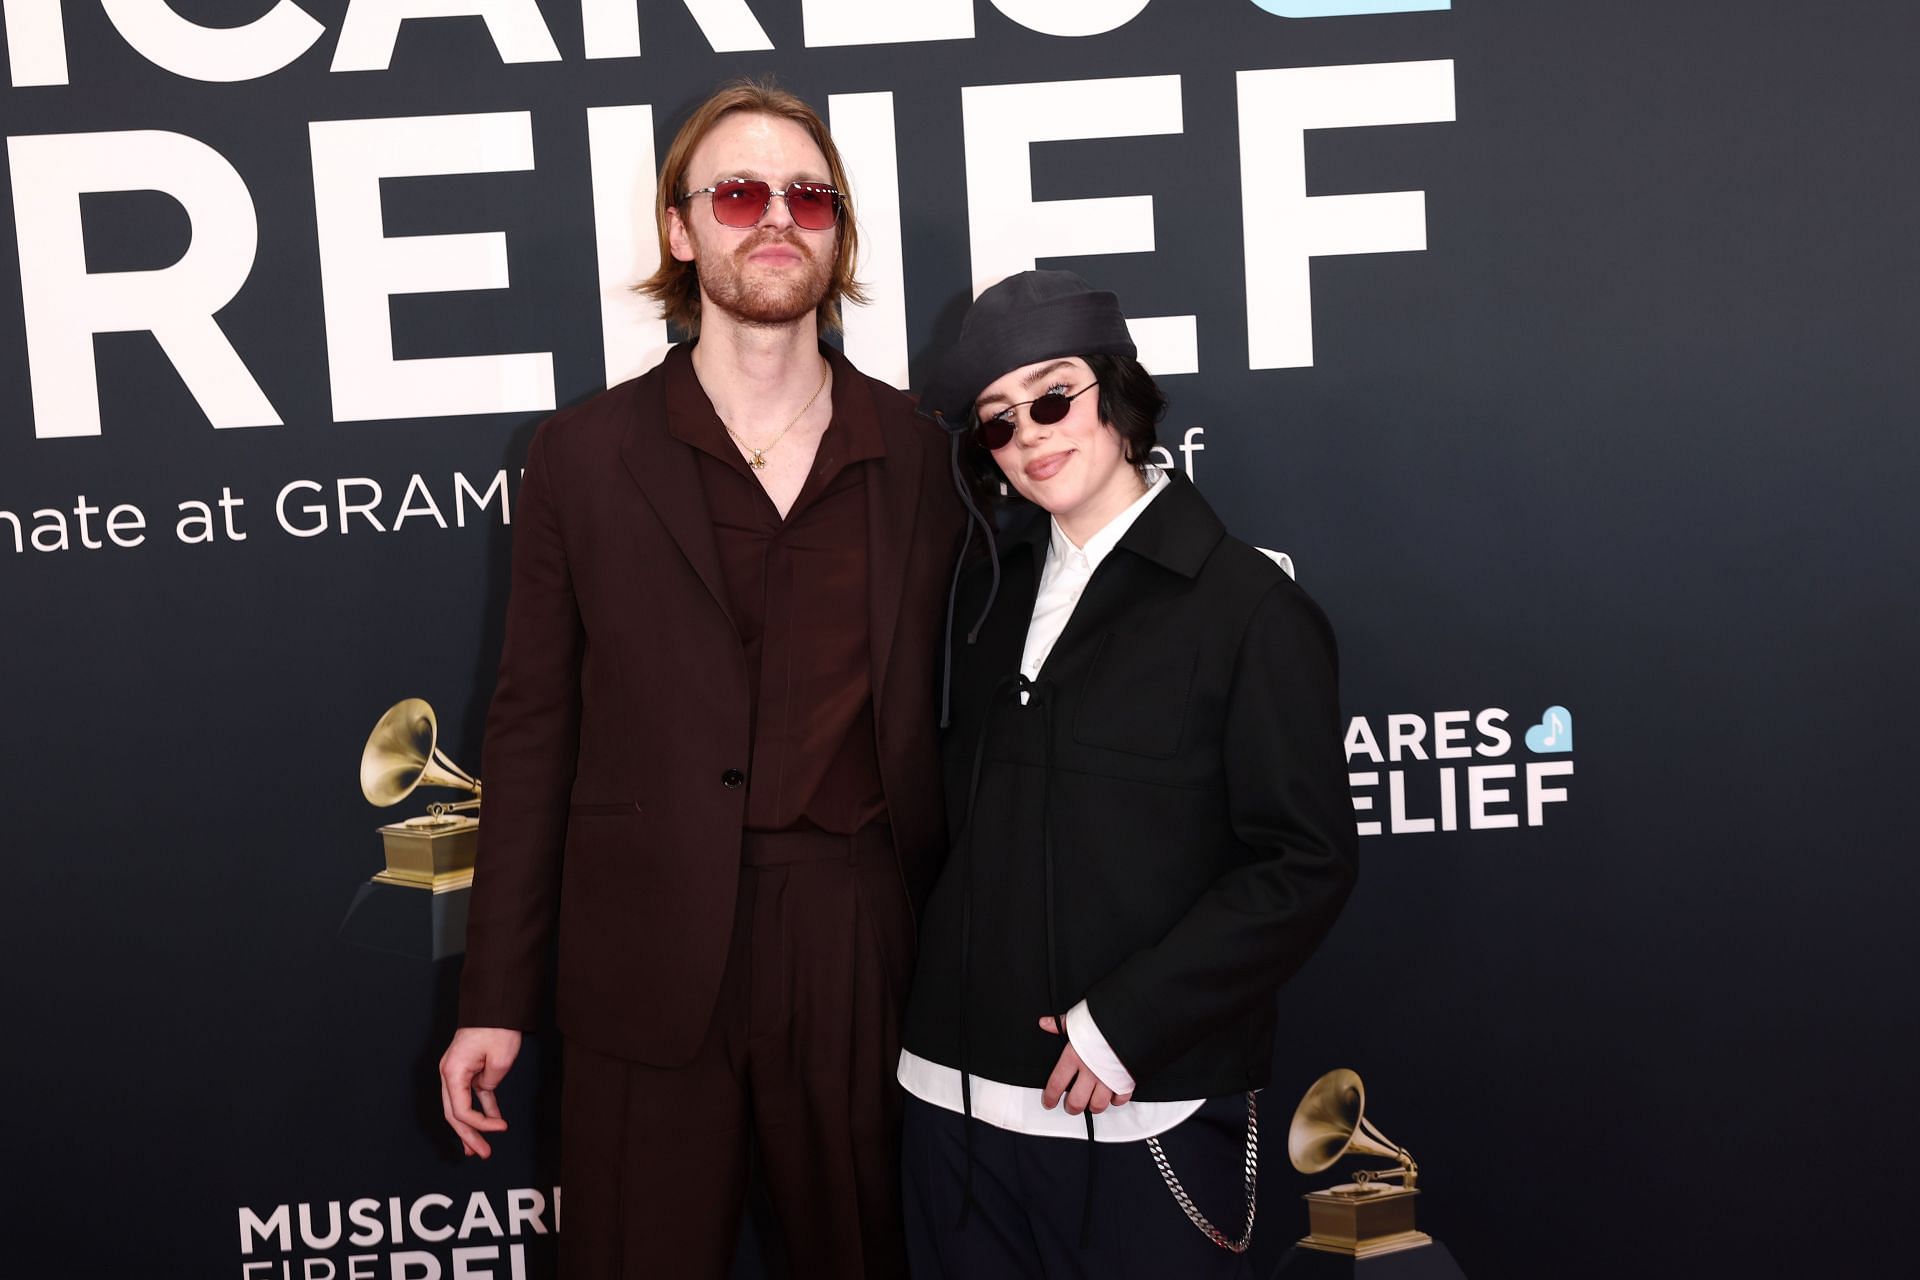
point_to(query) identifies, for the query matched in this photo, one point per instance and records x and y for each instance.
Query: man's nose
(776, 215)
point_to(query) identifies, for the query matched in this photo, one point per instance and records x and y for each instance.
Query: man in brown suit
(711, 766)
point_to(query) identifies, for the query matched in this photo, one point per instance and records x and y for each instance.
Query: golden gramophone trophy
(416, 905)
(433, 851)
(1369, 1216)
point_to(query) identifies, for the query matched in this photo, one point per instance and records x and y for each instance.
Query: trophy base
(447, 883)
(399, 918)
(1363, 1222)
(1427, 1260)
(430, 853)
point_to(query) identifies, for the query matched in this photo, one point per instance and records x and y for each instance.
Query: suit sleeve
(1293, 815)
(527, 770)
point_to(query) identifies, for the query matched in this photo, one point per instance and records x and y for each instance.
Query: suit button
(732, 779)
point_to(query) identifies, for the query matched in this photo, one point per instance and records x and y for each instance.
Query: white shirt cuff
(1095, 1051)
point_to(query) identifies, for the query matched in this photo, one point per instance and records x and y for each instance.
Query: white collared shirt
(1062, 582)
(1068, 570)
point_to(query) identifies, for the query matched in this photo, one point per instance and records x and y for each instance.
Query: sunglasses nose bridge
(775, 199)
(997, 433)
(1028, 428)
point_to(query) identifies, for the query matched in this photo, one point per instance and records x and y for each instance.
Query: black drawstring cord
(1086, 1208)
(1046, 851)
(993, 551)
(1019, 683)
(946, 666)
(974, 515)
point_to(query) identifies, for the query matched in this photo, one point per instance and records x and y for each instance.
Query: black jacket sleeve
(1292, 812)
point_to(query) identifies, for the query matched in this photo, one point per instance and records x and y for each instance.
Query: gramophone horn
(402, 753)
(1331, 1123)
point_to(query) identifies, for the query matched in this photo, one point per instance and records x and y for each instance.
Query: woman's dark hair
(1130, 402)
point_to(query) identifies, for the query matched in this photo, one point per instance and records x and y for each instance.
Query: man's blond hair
(676, 284)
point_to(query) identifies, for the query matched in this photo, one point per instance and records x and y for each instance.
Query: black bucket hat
(1029, 316)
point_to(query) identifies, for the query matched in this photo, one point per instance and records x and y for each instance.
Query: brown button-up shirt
(797, 591)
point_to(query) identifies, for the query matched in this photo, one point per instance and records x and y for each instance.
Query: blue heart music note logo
(1553, 734)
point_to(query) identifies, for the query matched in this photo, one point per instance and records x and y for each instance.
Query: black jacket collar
(1177, 531)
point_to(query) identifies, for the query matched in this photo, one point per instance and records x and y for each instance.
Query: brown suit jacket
(621, 715)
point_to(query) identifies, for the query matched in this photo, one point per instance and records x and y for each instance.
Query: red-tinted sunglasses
(995, 432)
(742, 202)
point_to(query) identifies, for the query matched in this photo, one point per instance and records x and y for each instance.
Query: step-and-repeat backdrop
(1566, 348)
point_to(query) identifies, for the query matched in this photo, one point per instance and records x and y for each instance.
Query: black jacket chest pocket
(1136, 695)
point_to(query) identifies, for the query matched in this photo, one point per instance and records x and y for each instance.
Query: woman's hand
(1075, 1080)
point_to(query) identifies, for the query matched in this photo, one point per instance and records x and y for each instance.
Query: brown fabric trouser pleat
(799, 1059)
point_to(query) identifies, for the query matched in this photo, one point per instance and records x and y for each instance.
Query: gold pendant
(757, 462)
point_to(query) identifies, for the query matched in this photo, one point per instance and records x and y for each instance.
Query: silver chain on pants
(1185, 1201)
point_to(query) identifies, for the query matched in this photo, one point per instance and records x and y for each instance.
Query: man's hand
(1076, 1081)
(473, 1067)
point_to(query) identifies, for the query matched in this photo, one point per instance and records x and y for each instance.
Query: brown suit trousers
(798, 1062)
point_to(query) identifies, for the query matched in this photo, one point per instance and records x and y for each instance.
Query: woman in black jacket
(1151, 829)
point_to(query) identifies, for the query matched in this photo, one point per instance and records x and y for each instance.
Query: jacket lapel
(668, 475)
(1107, 596)
(893, 506)
(1176, 533)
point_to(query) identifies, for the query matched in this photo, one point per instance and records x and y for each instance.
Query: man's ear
(679, 239)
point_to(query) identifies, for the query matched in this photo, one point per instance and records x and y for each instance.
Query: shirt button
(732, 779)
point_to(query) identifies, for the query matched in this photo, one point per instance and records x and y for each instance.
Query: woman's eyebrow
(1034, 379)
(1030, 381)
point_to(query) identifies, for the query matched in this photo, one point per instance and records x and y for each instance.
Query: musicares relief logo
(430, 1237)
(1420, 790)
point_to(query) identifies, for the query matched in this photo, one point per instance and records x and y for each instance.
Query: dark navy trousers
(1029, 1194)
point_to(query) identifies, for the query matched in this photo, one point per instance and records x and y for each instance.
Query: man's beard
(762, 301)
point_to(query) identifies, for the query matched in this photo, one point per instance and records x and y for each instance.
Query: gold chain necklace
(758, 460)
